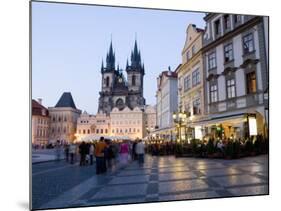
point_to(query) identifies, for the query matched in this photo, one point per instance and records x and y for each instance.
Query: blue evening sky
(70, 41)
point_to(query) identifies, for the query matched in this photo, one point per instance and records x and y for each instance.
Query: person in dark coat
(83, 152)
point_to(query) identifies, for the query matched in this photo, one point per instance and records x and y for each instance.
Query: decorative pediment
(229, 70)
(249, 62)
(212, 77)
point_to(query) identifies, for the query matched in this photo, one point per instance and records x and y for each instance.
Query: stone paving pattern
(57, 184)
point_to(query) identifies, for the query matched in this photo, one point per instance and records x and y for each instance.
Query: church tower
(135, 73)
(108, 78)
(116, 90)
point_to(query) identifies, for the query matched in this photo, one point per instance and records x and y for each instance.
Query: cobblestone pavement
(57, 184)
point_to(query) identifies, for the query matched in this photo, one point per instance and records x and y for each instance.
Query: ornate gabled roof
(66, 100)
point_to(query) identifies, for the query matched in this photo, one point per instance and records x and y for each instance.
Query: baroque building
(191, 81)
(117, 90)
(236, 72)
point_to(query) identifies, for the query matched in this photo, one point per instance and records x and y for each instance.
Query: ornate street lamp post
(179, 118)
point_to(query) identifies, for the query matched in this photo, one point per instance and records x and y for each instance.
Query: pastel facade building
(166, 103)
(236, 74)
(40, 123)
(191, 80)
(63, 119)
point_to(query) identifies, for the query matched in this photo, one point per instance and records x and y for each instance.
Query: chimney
(39, 101)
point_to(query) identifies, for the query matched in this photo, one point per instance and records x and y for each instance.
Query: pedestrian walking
(58, 150)
(140, 152)
(134, 154)
(99, 153)
(91, 153)
(72, 151)
(83, 152)
(66, 152)
(124, 153)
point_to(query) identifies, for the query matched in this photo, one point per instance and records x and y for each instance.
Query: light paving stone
(234, 180)
(177, 176)
(116, 191)
(251, 190)
(130, 179)
(195, 195)
(174, 169)
(177, 186)
(220, 172)
(254, 168)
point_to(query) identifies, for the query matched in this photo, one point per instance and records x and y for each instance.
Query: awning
(222, 118)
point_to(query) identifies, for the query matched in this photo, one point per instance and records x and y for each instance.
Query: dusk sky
(69, 42)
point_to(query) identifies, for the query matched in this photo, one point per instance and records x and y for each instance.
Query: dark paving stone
(153, 177)
(152, 188)
(115, 191)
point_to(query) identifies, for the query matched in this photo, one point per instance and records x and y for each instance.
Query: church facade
(120, 91)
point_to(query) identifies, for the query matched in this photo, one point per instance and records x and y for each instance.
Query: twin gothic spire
(136, 64)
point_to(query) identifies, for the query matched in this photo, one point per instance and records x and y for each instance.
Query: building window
(213, 93)
(226, 22)
(130, 130)
(237, 19)
(196, 107)
(193, 49)
(187, 56)
(107, 81)
(88, 131)
(212, 60)
(248, 43)
(112, 131)
(186, 83)
(228, 52)
(195, 77)
(217, 27)
(133, 80)
(117, 131)
(79, 131)
(101, 131)
(251, 83)
(64, 130)
(230, 85)
(84, 131)
(65, 119)
(97, 131)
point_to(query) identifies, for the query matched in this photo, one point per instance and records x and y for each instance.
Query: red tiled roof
(37, 109)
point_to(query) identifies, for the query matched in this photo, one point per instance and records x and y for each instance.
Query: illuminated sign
(198, 132)
(253, 126)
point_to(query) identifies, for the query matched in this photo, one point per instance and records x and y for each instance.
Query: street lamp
(179, 118)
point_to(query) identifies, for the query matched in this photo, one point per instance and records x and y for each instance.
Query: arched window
(107, 81)
(133, 80)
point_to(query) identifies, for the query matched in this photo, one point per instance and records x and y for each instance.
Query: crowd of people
(105, 153)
